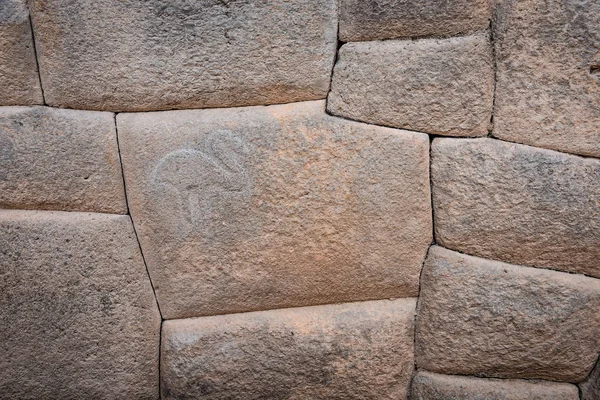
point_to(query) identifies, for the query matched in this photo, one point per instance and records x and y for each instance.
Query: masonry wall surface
(294, 199)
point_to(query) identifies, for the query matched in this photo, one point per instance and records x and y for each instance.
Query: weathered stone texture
(156, 55)
(487, 318)
(517, 204)
(590, 388)
(548, 92)
(77, 315)
(55, 159)
(430, 386)
(390, 19)
(281, 206)
(19, 80)
(438, 86)
(349, 351)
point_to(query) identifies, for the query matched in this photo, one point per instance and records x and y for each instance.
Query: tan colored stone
(390, 19)
(517, 204)
(348, 351)
(77, 315)
(55, 159)
(269, 207)
(590, 388)
(156, 55)
(487, 318)
(430, 386)
(438, 86)
(548, 92)
(19, 80)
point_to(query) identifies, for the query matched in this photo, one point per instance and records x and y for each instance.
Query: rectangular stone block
(156, 55)
(517, 204)
(437, 86)
(391, 19)
(55, 159)
(492, 319)
(78, 319)
(269, 207)
(348, 351)
(19, 80)
(548, 90)
(430, 386)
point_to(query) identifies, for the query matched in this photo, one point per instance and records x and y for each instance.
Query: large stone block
(154, 55)
(390, 19)
(517, 204)
(55, 159)
(77, 314)
(438, 86)
(487, 318)
(348, 351)
(548, 91)
(590, 388)
(19, 80)
(430, 386)
(270, 207)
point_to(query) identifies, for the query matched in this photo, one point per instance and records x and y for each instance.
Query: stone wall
(300, 199)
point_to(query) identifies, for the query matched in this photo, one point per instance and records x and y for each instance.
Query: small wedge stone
(391, 19)
(517, 204)
(19, 80)
(53, 159)
(430, 386)
(437, 86)
(492, 319)
(77, 314)
(348, 351)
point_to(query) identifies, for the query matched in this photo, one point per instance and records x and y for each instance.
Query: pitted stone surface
(430, 386)
(55, 159)
(348, 351)
(19, 81)
(517, 204)
(590, 388)
(390, 19)
(156, 55)
(492, 319)
(268, 207)
(77, 315)
(438, 86)
(548, 92)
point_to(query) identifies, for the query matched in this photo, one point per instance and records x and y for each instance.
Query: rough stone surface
(156, 55)
(438, 86)
(55, 159)
(430, 386)
(517, 204)
(548, 92)
(590, 388)
(389, 19)
(349, 351)
(487, 318)
(269, 207)
(19, 80)
(78, 317)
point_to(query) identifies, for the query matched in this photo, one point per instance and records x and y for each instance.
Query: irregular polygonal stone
(55, 159)
(429, 386)
(348, 351)
(590, 388)
(487, 318)
(517, 204)
(19, 80)
(438, 86)
(390, 19)
(156, 55)
(270, 207)
(78, 317)
(548, 91)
